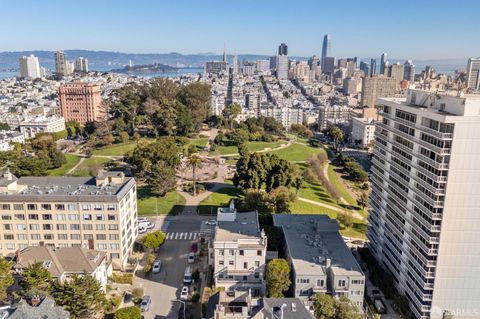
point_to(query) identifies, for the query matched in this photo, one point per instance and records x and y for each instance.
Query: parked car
(211, 222)
(157, 265)
(127, 297)
(142, 230)
(145, 304)
(150, 225)
(142, 220)
(184, 293)
(187, 277)
(191, 258)
(194, 248)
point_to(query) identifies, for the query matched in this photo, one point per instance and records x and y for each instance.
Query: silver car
(145, 304)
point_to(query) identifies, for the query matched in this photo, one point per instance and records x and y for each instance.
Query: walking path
(337, 209)
(70, 171)
(265, 150)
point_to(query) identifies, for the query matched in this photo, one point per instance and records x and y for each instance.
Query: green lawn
(199, 143)
(116, 149)
(89, 165)
(316, 192)
(258, 146)
(333, 177)
(220, 198)
(72, 160)
(298, 152)
(171, 204)
(299, 207)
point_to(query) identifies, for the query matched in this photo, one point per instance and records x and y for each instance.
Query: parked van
(187, 277)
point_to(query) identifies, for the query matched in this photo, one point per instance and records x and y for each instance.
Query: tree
(337, 134)
(194, 161)
(346, 310)
(82, 296)
(280, 199)
(6, 278)
(36, 277)
(362, 201)
(278, 278)
(324, 306)
(123, 137)
(132, 312)
(256, 199)
(231, 111)
(153, 240)
(162, 179)
(345, 219)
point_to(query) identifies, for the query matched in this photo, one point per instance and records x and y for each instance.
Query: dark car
(194, 248)
(127, 297)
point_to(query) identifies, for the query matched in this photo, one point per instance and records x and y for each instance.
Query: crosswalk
(182, 235)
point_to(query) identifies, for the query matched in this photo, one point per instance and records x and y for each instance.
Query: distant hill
(146, 68)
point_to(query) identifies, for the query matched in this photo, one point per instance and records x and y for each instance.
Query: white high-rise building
(473, 74)
(425, 212)
(62, 66)
(282, 67)
(81, 65)
(29, 67)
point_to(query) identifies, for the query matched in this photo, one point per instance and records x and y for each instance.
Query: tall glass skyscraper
(283, 49)
(326, 47)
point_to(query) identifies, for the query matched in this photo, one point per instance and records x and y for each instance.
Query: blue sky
(421, 29)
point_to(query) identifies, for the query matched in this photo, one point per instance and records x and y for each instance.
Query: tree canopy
(132, 312)
(36, 277)
(6, 278)
(277, 277)
(153, 240)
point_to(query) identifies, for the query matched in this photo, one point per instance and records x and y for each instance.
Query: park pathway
(337, 209)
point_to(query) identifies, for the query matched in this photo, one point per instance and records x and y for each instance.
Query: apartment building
(9, 138)
(29, 67)
(377, 86)
(41, 124)
(81, 102)
(91, 212)
(363, 131)
(285, 115)
(239, 251)
(319, 259)
(424, 217)
(329, 115)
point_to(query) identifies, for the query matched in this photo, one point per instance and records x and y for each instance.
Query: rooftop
(244, 226)
(45, 309)
(61, 260)
(62, 188)
(312, 240)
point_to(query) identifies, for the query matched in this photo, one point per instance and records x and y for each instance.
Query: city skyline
(204, 27)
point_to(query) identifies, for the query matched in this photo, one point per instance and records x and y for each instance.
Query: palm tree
(337, 135)
(194, 161)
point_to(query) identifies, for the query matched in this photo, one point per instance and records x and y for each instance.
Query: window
(111, 207)
(22, 237)
(230, 262)
(357, 282)
(87, 217)
(102, 246)
(74, 226)
(60, 206)
(72, 206)
(114, 256)
(19, 216)
(320, 283)
(87, 227)
(18, 206)
(47, 216)
(100, 227)
(47, 227)
(88, 236)
(72, 217)
(244, 278)
(62, 236)
(220, 262)
(113, 237)
(33, 216)
(10, 246)
(342, 283)
(112, 217)
(221, 252)
(61, 227)
(114, 246)
(303, 281)
(46, 207)
(31, 206)
(48, 237)
(98, 207)
(75, 236)
(257, 263)
(61, 216)
(34, 226)
(8, 236)
(259, 252)
(85, 207)
(7, 227)
(257, 275)
(21, 227)
(245, 265)
(112, 227)
(101, 237)
(232, 252)
(6, 217)
(241, 252)
(99, 217)
(35, 236)
(5, 206)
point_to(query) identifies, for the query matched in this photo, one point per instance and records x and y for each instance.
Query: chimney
(328, 263)
(17, 256)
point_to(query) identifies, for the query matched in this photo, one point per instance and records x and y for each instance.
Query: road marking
(176, 235)
(195, 235)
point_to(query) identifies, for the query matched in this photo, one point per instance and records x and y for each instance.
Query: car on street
(142, 230)
(211, 222)
(187, 277)
(157, 265)
(194, 248)
(150, 225)
(191, 258)
(184, 293)
(127, 297)
(145, 304)
(142, 220)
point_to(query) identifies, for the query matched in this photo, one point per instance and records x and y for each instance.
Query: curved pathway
(265, 150)
(337, 209)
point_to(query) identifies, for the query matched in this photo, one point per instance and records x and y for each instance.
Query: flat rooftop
(245, 226)
(311, 240)
(62, 188)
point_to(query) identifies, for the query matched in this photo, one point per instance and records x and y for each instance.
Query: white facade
(363, 129)
(7, 138)
(282, 67)
(425, 214)
(81, 65)
(42, 124)
(473, 74)
(239, 251)
(29, 67)
(285, 115)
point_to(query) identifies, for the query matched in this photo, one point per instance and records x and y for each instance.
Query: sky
(414, 29)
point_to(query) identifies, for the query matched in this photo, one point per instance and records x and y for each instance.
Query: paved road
(164, 287)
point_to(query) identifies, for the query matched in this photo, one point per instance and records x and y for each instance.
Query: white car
(157, 265)
(142, 230)
(142, 220)
(184, 293)
(150, 225)
(211, 222)
(191, 258)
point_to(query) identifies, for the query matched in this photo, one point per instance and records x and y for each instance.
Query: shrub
(195, 297)
(137, 293)
(128, 313)
(123, 278)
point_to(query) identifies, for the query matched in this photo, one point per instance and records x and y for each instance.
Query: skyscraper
(283, 49)
(29, 67)
(473, 73)
(383, 63)
(235, 66)
(409, 71)
(81, 65)
(373, 67)
(365, 67)
(326, 47)
(282, 67)
(61, 64)
(224, 55)
(377, 86)
(423, 224)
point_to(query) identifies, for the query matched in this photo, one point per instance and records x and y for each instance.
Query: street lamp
(184, 305)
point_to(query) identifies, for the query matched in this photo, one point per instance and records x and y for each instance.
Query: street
(164, 287)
